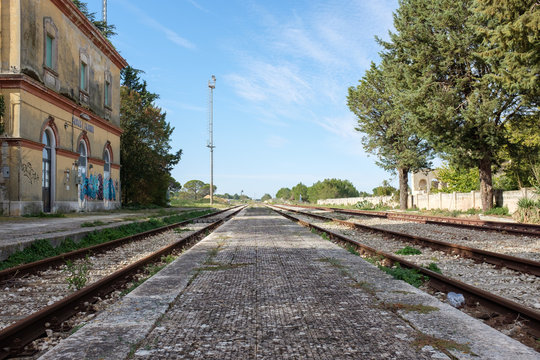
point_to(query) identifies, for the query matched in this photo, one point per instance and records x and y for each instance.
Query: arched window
(107, 165)
(83, 154)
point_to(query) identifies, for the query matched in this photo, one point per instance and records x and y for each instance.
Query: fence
(448, 201)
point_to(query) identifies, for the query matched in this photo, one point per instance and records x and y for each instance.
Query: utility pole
(105, 12)
(212, 86)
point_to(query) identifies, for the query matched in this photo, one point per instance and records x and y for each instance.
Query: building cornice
(70, 10)
(26, 83)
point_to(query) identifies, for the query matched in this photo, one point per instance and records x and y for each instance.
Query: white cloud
(275, 141)
(151, 22)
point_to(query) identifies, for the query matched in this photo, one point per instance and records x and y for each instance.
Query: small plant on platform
(500, 211)
(419, 308)
(433, 267)
(441, 344)
(407, 250)
(77, 273)
(92, 223)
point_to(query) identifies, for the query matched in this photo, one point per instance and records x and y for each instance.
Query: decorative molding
(71, 11)
(26, 83)
(49, 123)
(67, 153)
(24, 143)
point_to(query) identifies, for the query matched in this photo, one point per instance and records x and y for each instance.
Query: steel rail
(511, 262)
(472, 294)
(33, 267)
(16, 336)
(513, 228)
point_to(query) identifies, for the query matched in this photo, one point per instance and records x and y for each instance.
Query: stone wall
(447, 201)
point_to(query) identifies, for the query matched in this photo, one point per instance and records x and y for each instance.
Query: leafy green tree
(174, 186)
(194, 189)
(266, 197)
(144, 148)
(458, 179)
(384, 190)
(450, 88)
(331, 189)
(510, 30)
(389, 132)
(284, 194)
(205, 190)
(300, 192)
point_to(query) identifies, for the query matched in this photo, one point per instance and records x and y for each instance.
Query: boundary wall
(448, 201)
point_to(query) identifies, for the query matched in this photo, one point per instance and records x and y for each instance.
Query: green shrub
(407, 250)
(433, 267)
(497, 211)
(410, 276)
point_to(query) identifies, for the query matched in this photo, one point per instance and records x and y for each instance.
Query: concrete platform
(262, 287)
(16, 233)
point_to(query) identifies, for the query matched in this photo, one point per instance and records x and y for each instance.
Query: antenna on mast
(212, 86)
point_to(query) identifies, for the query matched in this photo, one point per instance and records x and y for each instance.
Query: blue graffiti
(95, 187)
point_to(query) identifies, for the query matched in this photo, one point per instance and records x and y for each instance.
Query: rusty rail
(33, 267)
(512, 228)
(441, 282)
(511, 262)
(21, 333)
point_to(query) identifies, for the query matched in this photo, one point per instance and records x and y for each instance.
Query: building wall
(42, 99)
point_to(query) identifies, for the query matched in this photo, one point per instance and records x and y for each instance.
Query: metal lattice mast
(212, 86)
(105, 12)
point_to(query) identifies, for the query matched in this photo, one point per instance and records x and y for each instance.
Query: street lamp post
(212, 86)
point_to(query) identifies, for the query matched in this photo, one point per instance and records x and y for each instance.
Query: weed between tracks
(408, 250)
(149, 271)
(77, 273)
(42, 249)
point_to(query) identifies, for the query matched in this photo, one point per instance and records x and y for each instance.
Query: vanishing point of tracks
(36, 298)
(525, 278)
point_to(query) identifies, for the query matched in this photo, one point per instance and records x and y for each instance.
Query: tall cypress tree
(449, 87)
(388, 130)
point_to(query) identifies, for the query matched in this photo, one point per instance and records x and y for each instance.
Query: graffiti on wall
(29, 172)
(95, 187)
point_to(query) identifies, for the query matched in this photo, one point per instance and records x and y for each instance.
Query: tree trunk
(486, 183)
(403, 174)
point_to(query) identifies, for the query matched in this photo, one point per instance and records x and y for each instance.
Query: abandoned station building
(60, 129)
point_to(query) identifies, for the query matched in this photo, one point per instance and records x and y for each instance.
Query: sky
(283, 69)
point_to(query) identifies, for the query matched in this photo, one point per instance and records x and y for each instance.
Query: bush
(497, 211)
(528, 211)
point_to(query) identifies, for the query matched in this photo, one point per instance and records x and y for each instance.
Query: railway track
(111, 272)
(507, 227)
(508, 309)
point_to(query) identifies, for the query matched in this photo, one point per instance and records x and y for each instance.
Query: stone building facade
(60, 80)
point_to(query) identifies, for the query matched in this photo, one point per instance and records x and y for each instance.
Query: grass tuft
(407, 250)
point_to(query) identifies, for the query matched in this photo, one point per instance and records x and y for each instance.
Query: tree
(510, 31)
(384, 190)
(205, 190)
(299, 192)
(266, 197)
(194, 189)
(389, 131)
(144, 147)
(284, 194)
(331, 189)
(108, 30)
(174, 186)
(458, 179)
(449, 88)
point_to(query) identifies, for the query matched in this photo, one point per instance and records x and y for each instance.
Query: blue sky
(283, 69)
